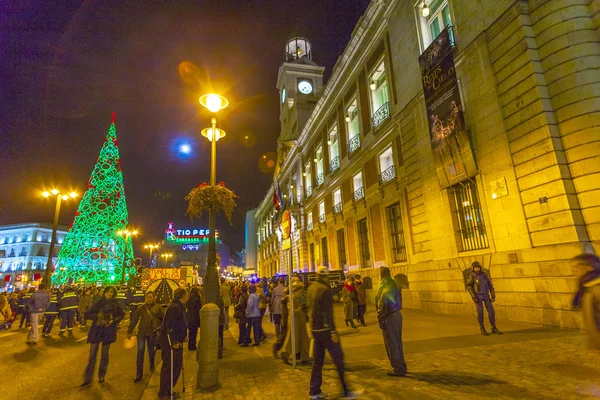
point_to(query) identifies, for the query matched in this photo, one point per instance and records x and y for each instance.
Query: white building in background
(24, 251)
(251, 249)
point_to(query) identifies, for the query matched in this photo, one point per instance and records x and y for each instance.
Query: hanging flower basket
(205, 198)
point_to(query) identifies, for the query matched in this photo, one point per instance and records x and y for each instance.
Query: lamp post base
(207, 356)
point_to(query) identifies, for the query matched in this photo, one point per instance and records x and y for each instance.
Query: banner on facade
(448, 134)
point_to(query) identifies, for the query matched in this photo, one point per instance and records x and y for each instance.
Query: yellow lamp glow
(65, 197)
(373, 86)
(208, 133)
(425, 11)
(73, 195)
(46, 194)
(213, 102)
(54, 192)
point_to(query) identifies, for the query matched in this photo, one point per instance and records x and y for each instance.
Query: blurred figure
(350, 297)
(361, 300)
(482, 291)
(40, 300)
(301, 332)
(275, 307)
(262, 306)
(389, 304)
(193, 306)
(24, 304)
(5, 313)
(105, 314)
(50, 314)
(225, 290)
(253, 315)
(240, 314)
(67, 306)
(587, 298)
(85, 302)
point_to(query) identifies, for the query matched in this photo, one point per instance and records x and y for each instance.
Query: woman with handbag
(147, 318)
(105, 314)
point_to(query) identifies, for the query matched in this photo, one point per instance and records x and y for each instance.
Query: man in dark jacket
(50, 314)
(172, 335)
(147, 318)
(320, 308)
(389, 303)
(482, 291)
(40, 300)
(68, 304)
(24, 303)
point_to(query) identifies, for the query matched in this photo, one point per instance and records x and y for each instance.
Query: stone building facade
(364, 185)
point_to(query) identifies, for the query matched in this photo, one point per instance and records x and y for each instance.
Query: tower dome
(298, 48)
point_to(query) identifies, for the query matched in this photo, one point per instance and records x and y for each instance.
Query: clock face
(283, 95)
(305, 87)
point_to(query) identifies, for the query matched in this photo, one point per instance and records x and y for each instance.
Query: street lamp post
(151, 247)
(59, 198)
(166, 256)
(126, 233)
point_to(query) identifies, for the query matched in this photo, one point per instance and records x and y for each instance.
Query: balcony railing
(334, 165)
(337, 209)
(381, 115)
(387, 175)
(322, 218)
(358, 194)
(309, 226)
(320, 179)
(353, 144)
(307, 192)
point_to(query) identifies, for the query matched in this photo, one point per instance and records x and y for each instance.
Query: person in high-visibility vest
(50, 314)
(67, 306)
(137, 300)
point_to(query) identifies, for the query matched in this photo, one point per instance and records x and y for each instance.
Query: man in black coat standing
(172, 335)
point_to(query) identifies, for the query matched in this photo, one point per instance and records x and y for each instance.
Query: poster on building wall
(448, 134)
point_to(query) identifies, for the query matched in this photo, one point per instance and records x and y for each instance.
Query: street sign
(286, 224)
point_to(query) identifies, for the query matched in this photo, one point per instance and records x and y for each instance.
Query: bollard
(208, 368)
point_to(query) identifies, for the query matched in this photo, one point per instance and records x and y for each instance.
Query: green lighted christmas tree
(93, 251)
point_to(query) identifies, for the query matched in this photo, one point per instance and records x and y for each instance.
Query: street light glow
(185, 148)
(208, 133)
(46, 194)
(65, 197)
(213, 102)
(54, 192)
(73, 195)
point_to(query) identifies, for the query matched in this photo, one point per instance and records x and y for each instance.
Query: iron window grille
(381, 115)
(363, 242)
(308, 192)
(470, 226)
(396, 232)
(341, 245)
(337, 209)
(353, 144)
(358, 194)
(387, 175)
(334, 165)
(320, 179)
(322, 218)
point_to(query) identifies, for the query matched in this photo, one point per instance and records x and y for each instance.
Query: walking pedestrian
(225, 290)
(193, 306)
(587, 270)
(275, 307)
(40, 300)
(361, 300)
(253, 315)
(172, 335)
(24, 306)
(67, 306)
(50, 314)
(85, 302)
(5, 313)
(137, 299)
(349, 295)
(262, 307)
(240, 315)
(482, 292)
(105, 314)
(147, 319)
(320, 308)
(301, 339)
(389, 303)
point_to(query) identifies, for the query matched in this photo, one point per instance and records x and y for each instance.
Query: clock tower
(300, 84)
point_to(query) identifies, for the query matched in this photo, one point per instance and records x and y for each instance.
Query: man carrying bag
(172, 335)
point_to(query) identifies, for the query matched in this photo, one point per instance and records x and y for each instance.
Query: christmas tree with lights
(93, 250)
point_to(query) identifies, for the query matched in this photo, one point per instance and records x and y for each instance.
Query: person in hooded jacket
(105, 314)
(193, 306)
(482, 292)
(587, 298)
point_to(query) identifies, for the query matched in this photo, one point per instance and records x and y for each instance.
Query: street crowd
(169, 327)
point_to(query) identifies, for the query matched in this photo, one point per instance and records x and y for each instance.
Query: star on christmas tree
(93, 251)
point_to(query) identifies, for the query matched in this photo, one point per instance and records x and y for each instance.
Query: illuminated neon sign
(193, 247)
(186, 235)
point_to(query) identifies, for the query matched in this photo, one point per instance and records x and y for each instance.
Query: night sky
(66, 65)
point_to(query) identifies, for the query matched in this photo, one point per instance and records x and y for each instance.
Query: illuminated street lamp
(59, 198)
(214, 103)
(166, 257)
(151, 247)
(126, 233)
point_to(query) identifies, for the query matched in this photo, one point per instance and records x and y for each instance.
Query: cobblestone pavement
(452, 362)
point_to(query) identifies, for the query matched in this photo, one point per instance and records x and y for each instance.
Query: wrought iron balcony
(358, 194)
(307, 192)
(334, 165)
(337, 209)
(381, 115)
(353, 144)
(387, 175)
(320, 179)
(322, 218)
(309, 227)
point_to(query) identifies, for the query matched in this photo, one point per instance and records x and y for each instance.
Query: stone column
(207, 356)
